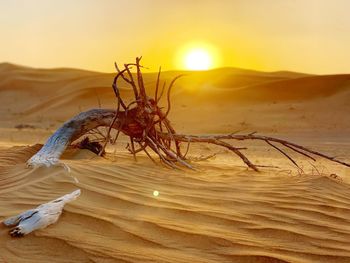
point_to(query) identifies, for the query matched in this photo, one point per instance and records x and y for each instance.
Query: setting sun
(198, 59)
(197, 56)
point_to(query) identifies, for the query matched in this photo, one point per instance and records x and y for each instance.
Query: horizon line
(174, 70)
(170, 70)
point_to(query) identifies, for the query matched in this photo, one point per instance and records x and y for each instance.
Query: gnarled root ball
(150, 130)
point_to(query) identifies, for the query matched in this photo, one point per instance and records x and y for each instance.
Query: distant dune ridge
(221, 213)
(235, 93)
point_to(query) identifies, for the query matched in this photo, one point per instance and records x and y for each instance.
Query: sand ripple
(227, 215)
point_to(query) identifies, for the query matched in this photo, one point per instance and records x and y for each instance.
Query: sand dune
(220, 213)
(220, 100)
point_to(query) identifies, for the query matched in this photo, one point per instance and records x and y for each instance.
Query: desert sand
(222, 212)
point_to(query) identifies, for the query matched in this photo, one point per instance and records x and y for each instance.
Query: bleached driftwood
(144, 121)
(40, 217)
(71, 130)
(127, 122)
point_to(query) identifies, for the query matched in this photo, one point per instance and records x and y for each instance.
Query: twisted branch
(146, 124)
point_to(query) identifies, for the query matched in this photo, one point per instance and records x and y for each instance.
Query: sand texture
(222, 212)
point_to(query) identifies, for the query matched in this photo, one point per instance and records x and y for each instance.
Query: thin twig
(161, 92)
(168, 94)
(133, 148)
(157, 85)
(285, 154)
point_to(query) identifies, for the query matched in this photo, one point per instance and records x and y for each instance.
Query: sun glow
(198, 59)
(197, 56)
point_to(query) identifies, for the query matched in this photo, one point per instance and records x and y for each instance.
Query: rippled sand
(217, 214)
(221, 212)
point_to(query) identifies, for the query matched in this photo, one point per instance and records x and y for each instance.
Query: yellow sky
(300, 35)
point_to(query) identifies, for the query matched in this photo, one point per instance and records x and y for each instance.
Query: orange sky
(301, 35)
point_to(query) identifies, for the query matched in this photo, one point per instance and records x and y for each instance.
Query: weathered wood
(147, 125)
(71, 130)
(40, 217)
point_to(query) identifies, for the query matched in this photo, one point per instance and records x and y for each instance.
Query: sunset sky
(300, 35)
